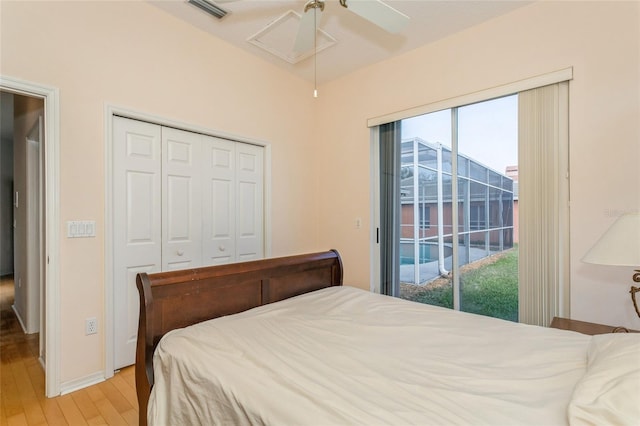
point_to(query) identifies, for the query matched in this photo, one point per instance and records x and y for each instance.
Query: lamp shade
(620, 245)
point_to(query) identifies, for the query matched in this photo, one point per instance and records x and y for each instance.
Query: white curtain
(543, 203)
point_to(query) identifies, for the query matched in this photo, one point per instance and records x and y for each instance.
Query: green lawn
(491, 289)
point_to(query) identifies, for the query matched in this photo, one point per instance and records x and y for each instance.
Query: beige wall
(132, 55)
(600, 40)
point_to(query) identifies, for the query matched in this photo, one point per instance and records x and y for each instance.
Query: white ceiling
(359, 43)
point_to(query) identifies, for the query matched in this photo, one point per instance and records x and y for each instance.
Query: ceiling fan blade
(306, 32)
(379, 13)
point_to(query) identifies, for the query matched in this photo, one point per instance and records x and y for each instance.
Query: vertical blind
(543, 115)
(390, 208)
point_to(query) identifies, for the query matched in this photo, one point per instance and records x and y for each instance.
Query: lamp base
(634, 290)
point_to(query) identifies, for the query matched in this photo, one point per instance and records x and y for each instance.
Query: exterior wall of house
(408, 226)
(512, 172)
(485, 210)
(600, 40)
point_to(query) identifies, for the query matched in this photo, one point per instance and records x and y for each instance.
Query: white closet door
(218, 201)
(249, 202)
(181, 199)
(137, 236)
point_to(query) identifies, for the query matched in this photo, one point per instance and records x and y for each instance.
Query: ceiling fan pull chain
(315, 52)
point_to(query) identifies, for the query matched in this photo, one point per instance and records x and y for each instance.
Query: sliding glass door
(456, 222)
(426, 206)
(487, 146)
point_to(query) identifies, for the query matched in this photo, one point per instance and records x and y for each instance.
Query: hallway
(22, 385)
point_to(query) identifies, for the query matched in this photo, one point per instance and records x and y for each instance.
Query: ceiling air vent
(209, 7)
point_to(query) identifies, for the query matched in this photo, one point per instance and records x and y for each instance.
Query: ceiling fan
(375, 11)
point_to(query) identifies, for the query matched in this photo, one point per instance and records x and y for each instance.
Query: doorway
(22, 162)
(29, 191)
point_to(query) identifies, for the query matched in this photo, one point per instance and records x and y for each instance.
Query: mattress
(342, 356)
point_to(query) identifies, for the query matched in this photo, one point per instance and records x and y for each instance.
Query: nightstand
(586, 327)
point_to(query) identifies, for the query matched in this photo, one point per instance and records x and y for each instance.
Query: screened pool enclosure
(485, 211)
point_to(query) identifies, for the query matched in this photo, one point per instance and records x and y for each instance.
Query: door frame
(51, 280)
(110, 111)
(35, 254)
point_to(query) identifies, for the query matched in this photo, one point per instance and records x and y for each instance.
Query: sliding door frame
(450, 103)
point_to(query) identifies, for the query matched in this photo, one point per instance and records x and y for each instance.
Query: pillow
(609, 391)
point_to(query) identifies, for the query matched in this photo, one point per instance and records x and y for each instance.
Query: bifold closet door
(218, 201)
(181, 199)
(232, 201)
(249, 202)
(137, 239)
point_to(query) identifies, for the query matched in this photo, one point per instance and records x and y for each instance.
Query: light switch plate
(81, 228)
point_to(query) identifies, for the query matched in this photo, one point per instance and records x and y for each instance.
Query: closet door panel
(181, 190)
(136, 217)
(249, 202)
(218, 203)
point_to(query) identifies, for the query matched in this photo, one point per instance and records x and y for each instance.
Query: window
(425, 216)
(476, 216)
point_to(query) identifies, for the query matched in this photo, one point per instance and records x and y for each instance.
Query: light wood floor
(22, 400)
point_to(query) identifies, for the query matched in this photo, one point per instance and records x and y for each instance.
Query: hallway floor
(22, 383)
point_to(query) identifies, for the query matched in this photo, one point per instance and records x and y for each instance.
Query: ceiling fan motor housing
(314, 4)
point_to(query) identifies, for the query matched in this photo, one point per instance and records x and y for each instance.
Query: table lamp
(620, 246)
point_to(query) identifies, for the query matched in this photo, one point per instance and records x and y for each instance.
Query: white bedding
(346, 356)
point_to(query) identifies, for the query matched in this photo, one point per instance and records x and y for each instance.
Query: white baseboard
(22, 323)
(15, 311)
(81, 383)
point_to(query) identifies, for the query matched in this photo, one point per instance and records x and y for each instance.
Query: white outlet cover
(91, 326)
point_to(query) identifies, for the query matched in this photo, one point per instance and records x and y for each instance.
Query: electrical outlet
(91, 326)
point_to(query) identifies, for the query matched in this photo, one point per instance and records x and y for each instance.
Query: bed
(283, 342)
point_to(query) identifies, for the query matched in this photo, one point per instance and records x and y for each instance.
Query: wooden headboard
(176, 299)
